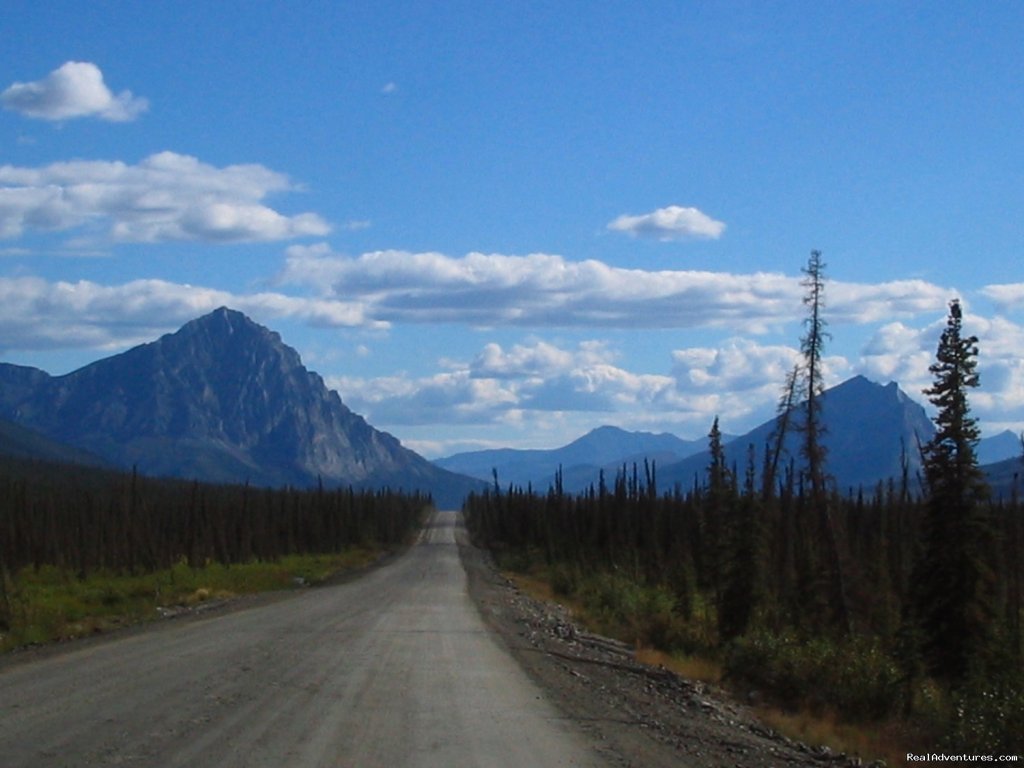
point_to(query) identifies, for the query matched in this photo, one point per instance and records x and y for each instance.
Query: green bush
(856, 678)
(564, 579)
(622, 607)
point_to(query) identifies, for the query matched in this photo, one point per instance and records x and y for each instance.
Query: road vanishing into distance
(395, 668)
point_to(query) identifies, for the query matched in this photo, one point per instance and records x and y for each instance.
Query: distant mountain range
(222, 400)
(581, 461)
(869, 427)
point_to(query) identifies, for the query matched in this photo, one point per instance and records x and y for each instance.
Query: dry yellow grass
(540, 589)
(888, 741)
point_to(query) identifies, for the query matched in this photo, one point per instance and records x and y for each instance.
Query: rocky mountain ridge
(223, 399)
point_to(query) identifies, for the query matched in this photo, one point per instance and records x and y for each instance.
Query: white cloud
(741, 379)
(538, 359)
(449, 397)
(543, 290)
(1007, 296)
(165, 197)
(37, 314)
(75, 89)
(902, 353)
(739, 365)
(534, 383)
(899, 352)
(672, 223)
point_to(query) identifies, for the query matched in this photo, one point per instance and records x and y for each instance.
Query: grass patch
(52, 604)
(698, 668)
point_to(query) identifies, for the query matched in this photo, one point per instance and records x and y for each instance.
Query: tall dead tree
(813, 449)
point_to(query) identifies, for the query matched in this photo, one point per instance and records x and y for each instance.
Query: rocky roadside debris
(638, 715)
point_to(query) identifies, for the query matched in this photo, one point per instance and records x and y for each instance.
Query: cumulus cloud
(529, 383)
(738, 365)
(900, 352)
(672, 223)
(39, 314)
(903, 353)
(741, 378)
(75, 89)
(539, 359)
(543, 290)
(165, 197)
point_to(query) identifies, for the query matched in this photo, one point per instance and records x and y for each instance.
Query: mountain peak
(225, 321)
(868, 428)
(224, 316)
(223, 399)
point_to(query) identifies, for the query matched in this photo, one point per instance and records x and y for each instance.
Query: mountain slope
(24, 443)
(223, 399)
(868, 428)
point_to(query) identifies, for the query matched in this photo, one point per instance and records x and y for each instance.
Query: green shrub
(564, 579)
(857, 678)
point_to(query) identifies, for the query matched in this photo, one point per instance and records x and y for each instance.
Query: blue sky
(508, 223)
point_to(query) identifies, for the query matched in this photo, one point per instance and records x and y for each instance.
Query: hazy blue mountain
(581, 460)
(869, 426)
(1005, 445)
(225, 400)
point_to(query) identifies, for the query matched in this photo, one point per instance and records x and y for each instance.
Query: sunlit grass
(52, 604)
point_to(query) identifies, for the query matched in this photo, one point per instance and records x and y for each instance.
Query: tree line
(85, 520)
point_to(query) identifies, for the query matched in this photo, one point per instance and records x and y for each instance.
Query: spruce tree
(952, 580)
(715, 511)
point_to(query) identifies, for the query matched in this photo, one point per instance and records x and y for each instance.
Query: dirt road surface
(434, 659)
(393, 669)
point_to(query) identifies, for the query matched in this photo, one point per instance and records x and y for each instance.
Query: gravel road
(434, 659)
(396, 668)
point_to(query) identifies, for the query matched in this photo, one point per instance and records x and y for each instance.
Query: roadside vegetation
(887, 620)
(85, 550)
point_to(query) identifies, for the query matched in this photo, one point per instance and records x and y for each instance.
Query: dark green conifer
(952, 580)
